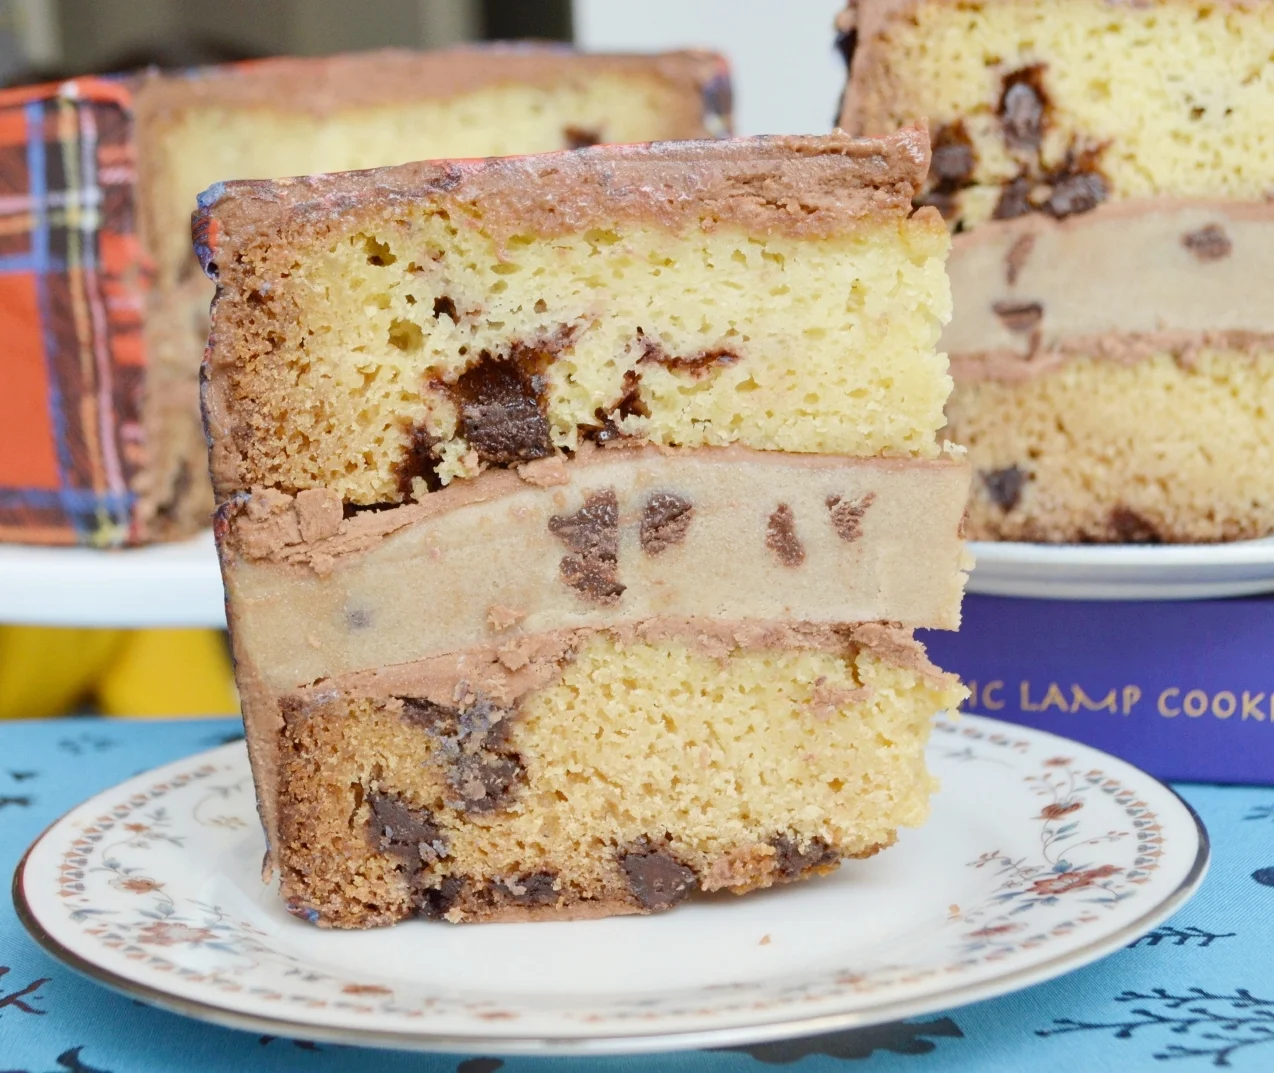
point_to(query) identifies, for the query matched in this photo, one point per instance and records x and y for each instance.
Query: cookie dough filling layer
(382, 334)
(1115, 373)
(644, 773)
(616, 536)
(1037, 106)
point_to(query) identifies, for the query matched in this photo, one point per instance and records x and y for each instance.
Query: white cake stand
(162, 585)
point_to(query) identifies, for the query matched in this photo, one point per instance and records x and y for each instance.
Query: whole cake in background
(1107, 168)
(104, 308)
(575, 515)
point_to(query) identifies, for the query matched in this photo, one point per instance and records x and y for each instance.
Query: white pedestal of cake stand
(164, 585)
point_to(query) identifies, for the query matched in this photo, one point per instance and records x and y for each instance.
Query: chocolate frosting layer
(321, 86)
(800, 185)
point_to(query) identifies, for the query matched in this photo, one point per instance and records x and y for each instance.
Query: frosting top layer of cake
(791, 184)
(323, 85)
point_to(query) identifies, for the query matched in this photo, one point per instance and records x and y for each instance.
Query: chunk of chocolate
(1004, 486)
(656, 878)
(534, 889)
(664, 522)
(1074, 193)
(445, 306)
(592, 535)
(1014, 200)
(1209, 243)
(1019, 317)
(580, 137)
(781, 538)
(847, 515)
(1023, 107)
(697, 366)
(503, 403)
(953, 159)
(629, 404)
(790, 860)
(482, 771)
(404, 830)
(419, 460)
(1015, 260)
(434, 903)
(1130, 527)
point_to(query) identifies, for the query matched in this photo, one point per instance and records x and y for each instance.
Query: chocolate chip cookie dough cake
(575, 514)
(1107, 167)
(105, 309)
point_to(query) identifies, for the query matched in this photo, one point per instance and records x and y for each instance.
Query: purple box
(1183, 689)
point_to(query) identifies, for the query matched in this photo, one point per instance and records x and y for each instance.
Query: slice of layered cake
(575, 514)
(1107, 168)
(105, 306)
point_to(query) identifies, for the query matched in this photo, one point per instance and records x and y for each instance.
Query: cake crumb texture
(644, 773)
(391, 350)
(1037, 105)
(1172, 448)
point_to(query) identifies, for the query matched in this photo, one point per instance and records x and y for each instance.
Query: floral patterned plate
(1042, 855)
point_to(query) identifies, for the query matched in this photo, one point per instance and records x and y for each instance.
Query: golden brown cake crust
(805, 186)
(321, 86)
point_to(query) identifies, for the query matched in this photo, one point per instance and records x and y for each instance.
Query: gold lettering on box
(1080, 699)
(1163, 702)
(993, 704)
(1024, 698)
(1054, 698)
(1224, 711)
(1132, 694)
(1252, 706)
(1195, 703)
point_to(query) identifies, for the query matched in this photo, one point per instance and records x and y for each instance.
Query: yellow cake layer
(770, 341)
(1167, 448)
(1174, 96)
(712, 760)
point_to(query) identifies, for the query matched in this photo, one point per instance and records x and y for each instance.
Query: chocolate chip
(482, 771)
(1209, 243)
(1022, 108)
(1020, 317)
(419, 460)
(580, 137)
(435, 902)
(485, 780)
(1014, 200)
(1015, 260)
(1130, 527)
(953, 159)
(592, 534)
(445, 306)
(847, 515)
(1075, 193)
(781, 538)
(403, 830)
(718, 97)
(629, 404)
(697, 366)
(847, 45)
(664, 522)
(1004, 486)
(656, 878)
(790, 860)
(503, 404)
(951, 168)
(358, 619)
(535, 889)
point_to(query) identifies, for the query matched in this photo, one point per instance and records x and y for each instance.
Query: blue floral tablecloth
(1198, 993)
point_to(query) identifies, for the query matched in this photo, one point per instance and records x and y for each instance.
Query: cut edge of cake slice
(423, 323)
